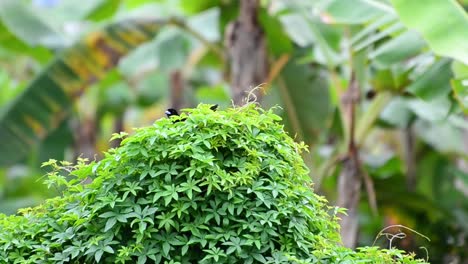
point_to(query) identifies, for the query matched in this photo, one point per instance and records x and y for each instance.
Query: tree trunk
(246, 52)
(85, 139)
(350, 178)
(118, 127)
(409, 157)
(349, 192)
(177, 90)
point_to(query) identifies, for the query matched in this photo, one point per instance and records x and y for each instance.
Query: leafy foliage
(23, 123)
(219, 187)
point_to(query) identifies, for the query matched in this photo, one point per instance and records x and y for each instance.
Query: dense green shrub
(218, 187)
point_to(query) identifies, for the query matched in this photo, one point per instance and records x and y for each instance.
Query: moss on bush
(219, 187)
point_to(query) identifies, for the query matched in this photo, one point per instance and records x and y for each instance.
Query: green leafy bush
(218, 187)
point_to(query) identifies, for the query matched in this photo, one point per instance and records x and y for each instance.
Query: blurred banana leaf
(400, 48)
(353, 11)
(104, 10)
(13, 44)
(306, 99)
(444, 24)
(434, 82)
(27, 26)
(46, 101)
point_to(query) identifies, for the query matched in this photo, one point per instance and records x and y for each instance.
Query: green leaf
(206, 23)
(460, 90)
(166, 247)
(435, 110)
(142, 259)
(110, 223)
(24, 23)
(460, 84)
(104, 10)
(213, 94)
(12, 43)
(459, 69)
(441, 135)
(353, 11)
(47, 99)
(434, 82)
(305, 99)
(398, 49)
(172, 49)
(98, 255)
(298, 29)
(152, 89)
(277, 40)
(130, 4)
(108, 249)
(397, 113)
(192, 7)
(184, 249)
(444, 24)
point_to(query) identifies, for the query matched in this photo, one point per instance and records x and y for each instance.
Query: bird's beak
(167, 112)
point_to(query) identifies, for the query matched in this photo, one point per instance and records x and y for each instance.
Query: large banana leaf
(47, 99)
(444, 24)
(305, 98)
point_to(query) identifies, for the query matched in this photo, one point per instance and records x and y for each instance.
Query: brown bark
(409, 156)
(246, 51)
(177, 90)
(85, 139)
(349, 180)
(349, 192)
(118, 127)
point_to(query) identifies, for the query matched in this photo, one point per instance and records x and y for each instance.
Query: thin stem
(370, 116)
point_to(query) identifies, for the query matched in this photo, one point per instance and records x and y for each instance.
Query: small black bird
(171, 112)
(214, 107)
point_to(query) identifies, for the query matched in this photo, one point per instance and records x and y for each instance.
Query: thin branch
(276, 68)
(351, 99)
(370, 192)
(371, 115)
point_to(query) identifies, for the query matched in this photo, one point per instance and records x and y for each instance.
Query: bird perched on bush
(172, 112)
(214, 107)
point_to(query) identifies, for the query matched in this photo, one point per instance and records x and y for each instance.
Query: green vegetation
(220, 187)
(74, 72)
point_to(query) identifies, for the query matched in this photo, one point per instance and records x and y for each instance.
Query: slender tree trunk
(409, 156)
(118, 127)
(350, 178)
(177, 89)
(349, 193)
(246, 52)
(85, 139)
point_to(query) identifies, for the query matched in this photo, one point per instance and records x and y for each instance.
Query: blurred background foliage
(74, 72)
